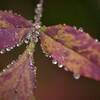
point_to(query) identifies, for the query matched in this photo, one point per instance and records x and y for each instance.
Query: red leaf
(74, 49)
(13, 30)
(18, 81)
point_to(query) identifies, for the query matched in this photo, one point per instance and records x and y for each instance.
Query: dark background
(54, 83)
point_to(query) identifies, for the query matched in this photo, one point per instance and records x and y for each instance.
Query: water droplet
(60, 65)
(46, 55)
(2, 51)
(13, 62)
(75, 27)
(29, 36)
(49, 56)
(10, 11)
(5, 10)
(8, 49)
(37, 11)
(37, 25)
(15, 13)
(64, 24)
(37, 32)
(43, 51)
(96, 40)
(31, 67)
(30, 53)
(8, 66)
(41, 46)
(26, 41)
(11, 47)
(19, 15)
(31, 63)
(81, 29)
(65, 69)
(4, 70)
(18, 44)
(19, 56)
(54, 61)
(76, 76)
(30, 21)
(39, 5)
(36, 40)
(34, 71)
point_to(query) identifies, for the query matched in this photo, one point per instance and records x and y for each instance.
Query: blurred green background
(54, 83)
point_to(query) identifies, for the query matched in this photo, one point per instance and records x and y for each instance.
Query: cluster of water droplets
(6, 49)
(34, 70)
(36, 31)
(30, 37)
(81, 30)
(38, 23)
(7, 67)
(31, 66)
(76, 76)
(10, 11)
(36, 27)
(10, 48)
(26, 41)
(38, 12)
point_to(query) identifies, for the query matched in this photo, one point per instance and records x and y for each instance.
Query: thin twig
(38, 11)
(37, 24)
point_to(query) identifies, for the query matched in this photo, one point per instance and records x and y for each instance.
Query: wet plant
(71, 48)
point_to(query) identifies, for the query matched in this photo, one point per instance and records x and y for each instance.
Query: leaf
(12, 20)
(74, 49)
(18, 81)
(14, 29)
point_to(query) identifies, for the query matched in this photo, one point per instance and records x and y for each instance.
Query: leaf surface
(74, 49)
(18, 81)
(13, 20)
(13, 29)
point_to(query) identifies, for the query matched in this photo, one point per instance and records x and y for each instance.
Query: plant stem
(38, 11)
(37, 24)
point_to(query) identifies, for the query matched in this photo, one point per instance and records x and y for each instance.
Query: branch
(38, 12)
(38, 17)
